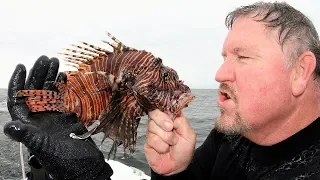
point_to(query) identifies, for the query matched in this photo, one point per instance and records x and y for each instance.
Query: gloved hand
(46, 134)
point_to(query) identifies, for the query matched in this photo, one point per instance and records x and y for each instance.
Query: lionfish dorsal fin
(92, 49)
(117, 45)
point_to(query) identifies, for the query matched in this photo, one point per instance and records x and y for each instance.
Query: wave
(3, 106)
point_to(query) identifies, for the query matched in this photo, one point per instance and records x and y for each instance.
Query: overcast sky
(187, 35)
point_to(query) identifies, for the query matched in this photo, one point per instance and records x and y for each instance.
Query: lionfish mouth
(182, 102)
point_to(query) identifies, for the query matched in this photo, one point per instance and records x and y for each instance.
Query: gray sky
(187, 35)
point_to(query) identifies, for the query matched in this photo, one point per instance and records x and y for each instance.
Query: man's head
(271, 58)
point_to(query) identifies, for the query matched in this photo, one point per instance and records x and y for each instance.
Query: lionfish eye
(166, 75)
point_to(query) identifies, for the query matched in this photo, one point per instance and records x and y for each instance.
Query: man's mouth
(225, 96)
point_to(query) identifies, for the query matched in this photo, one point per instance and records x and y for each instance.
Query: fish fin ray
(45, 100)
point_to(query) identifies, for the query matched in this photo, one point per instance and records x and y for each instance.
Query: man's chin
(230, 126)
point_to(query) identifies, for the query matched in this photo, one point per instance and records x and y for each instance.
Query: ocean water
(201, 114)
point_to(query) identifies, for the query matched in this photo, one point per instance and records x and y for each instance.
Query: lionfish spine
(72, 65)
(96, 47)
(119, 44)
(73, 61)
(87, 53)
(77, 59)
(97, 51)
(77, 56)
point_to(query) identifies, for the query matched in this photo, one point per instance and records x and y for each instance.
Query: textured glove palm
(46, 134)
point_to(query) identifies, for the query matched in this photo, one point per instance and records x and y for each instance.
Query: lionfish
(114, 88)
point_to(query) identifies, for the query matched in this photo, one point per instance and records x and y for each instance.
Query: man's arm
(202, 163)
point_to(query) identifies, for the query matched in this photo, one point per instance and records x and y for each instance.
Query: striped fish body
(89, 94)
(117, 88)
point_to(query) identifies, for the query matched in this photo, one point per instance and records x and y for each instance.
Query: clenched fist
(170, 144)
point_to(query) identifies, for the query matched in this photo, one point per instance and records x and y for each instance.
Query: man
(269, 101)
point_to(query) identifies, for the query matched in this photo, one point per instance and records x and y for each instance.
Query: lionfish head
(180, 97)
(171, 94)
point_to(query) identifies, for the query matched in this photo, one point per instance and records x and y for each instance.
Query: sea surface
(201, 114)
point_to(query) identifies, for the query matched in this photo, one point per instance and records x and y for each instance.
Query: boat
(122, 171)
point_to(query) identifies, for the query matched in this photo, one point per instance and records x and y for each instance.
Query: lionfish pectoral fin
(94, 125)
(113, 149)
(45, 100)
(86, 135)
(100, 145)
(144, 101)
(83, 136)
(119, 121)
(110, 126)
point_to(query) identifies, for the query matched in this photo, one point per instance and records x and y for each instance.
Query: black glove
(46, 134)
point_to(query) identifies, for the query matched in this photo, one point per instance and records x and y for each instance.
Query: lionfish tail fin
(45, 100)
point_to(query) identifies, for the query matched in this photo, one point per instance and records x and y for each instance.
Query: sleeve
(202, 162)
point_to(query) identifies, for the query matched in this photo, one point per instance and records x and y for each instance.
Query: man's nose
(226, 72)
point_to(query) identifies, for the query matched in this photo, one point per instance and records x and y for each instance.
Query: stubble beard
(231, 125)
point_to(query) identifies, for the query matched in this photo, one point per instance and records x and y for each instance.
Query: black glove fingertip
(38, 73)
(14, 130)
(27, 134)
(62, 77)
(53, 69)
(16, 105)
(17, 80)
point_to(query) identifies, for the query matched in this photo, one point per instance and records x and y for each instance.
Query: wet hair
(294, 28)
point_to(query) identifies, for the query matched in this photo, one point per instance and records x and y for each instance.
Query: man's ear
(303, 71)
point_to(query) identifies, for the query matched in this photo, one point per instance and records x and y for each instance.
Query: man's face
(255, 87)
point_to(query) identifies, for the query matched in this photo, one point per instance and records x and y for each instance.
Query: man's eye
(243, 57)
